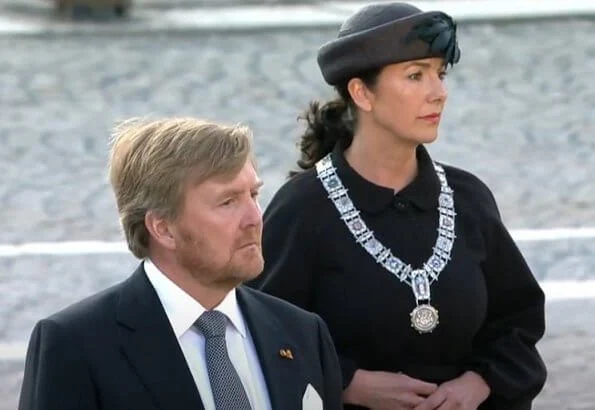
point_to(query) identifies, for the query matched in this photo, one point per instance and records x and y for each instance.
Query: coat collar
(280, 357)
(422, 192)
(151, 347)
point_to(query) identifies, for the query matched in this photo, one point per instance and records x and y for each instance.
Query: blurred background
(520, 115)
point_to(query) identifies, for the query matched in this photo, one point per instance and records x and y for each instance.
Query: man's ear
(160, 230)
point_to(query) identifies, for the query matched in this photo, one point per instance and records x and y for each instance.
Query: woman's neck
(383, 161)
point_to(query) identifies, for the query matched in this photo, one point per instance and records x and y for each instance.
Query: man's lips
(249, 244)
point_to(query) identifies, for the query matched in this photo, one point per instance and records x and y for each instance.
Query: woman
(429, 301)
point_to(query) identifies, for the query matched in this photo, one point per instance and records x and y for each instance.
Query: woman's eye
(415, 76)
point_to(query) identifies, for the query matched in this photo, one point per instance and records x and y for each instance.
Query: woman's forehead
(424, 63)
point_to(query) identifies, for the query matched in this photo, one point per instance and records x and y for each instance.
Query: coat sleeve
(290, 249)
(505, 352)
(333, 385)
(56, 377)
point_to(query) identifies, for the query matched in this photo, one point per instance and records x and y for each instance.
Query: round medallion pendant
(424, 318)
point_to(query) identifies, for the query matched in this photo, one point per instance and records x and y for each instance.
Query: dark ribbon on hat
(440, 32)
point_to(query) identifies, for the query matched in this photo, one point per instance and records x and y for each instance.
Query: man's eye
(228, 202)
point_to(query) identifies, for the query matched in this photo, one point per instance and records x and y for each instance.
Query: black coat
(490, 305)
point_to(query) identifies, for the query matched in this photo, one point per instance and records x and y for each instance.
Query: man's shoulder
(92, 310)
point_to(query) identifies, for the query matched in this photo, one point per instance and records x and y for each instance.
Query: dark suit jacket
(116, 350)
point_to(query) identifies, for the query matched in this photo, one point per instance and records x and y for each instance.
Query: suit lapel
(281, 370)
(151, 347)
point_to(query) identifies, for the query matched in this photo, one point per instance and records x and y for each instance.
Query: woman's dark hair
(330, 123)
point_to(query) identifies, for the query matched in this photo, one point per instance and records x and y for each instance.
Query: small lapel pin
(286, 353)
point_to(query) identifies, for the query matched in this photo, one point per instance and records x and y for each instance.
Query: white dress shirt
(182, 311)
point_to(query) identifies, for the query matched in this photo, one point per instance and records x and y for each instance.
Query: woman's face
(408, 98)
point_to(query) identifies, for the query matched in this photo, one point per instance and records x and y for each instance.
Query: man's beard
(192, 258)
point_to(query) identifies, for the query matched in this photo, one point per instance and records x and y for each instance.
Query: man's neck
(208, 295)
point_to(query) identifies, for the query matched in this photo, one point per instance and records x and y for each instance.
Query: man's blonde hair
(152, 161)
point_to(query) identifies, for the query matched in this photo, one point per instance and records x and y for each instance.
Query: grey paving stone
(35, 287)
(569, 358)
(562, 259)
(11, 376)
(165, 4)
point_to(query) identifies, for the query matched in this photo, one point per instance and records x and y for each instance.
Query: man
(180, 333)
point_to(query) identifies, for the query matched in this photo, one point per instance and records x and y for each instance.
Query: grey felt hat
(387, 33)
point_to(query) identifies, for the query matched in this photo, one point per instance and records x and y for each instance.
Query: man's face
(218, 231)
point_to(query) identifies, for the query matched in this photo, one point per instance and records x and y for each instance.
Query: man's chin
(250, 269)
(255, 272)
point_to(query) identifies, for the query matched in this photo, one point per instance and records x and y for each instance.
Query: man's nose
(253, 215)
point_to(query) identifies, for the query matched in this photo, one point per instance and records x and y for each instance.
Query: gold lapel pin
(286, 353)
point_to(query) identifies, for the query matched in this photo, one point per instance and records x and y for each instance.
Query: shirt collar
(423, 191)
(182, 310)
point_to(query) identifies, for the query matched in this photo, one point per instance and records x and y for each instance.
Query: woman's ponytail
(327, 124)
(330, 123)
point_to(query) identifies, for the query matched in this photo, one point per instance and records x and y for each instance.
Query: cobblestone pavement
(171, 3)
(45, 10)
(520, 116)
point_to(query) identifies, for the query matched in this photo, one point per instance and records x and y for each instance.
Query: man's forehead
(246, 178)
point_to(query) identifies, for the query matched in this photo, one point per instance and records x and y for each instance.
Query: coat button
(400, 204)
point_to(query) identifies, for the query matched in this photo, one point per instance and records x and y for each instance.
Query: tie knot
(212, 324)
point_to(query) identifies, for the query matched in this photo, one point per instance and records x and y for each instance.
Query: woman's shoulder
(470, 187)
(301, 188)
